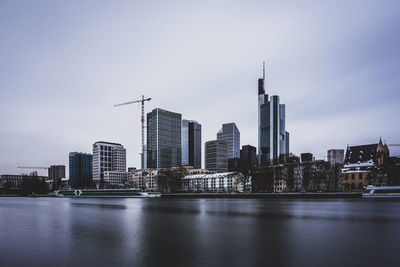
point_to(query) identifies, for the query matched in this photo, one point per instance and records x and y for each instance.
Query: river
(198, 232)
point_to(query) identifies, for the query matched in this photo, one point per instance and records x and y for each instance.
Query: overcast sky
(64, 64)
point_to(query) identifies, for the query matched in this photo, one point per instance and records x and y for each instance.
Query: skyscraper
(107, 157)
(80, 170)
(231, 136)
(191, 144)
(216, 156)
(271, 126)
(163, 139)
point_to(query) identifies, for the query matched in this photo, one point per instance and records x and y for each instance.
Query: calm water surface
(198, 232)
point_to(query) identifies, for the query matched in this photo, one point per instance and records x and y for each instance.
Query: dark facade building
(191, 144)
(163, 139)
(306, 157)
(216, 156)
(271, 127)
(231, 136)
(246, 162)
(80, 170)
(365, 165)
(248, 155)
(56, 173)
(14, 182)
(314, 176)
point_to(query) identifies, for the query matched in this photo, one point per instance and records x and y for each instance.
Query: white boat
(381, 192)
(106, 193)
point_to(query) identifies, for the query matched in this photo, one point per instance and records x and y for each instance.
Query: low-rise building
(364, 165)
(115, 179)
(217, 182)
(311, 176)
(143, 179)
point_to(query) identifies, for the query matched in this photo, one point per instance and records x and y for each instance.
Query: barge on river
(382, 192)
(106, 193)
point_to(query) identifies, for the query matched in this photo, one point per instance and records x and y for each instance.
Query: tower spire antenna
(263, 70)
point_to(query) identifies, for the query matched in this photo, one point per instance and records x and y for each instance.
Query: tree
(170, 180)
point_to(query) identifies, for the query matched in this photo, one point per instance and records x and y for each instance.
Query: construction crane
(38, 168)
(33, 168)
(142, 102)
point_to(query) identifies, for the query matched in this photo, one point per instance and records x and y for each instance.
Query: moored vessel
(381, 192)
(106, 193)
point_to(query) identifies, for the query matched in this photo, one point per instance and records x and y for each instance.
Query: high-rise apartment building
(191, 144)
(107, 157)
(271, 126)
(336, 156)
(80, 170)
(231, 136)
(216, 158)
(163, 139)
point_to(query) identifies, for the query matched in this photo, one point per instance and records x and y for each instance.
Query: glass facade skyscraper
(80, 170)
(191, 144)
(216, 156)
(163, 139)
(231, 136)
(272, 136)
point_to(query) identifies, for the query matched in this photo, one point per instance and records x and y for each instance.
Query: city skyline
(61, 74)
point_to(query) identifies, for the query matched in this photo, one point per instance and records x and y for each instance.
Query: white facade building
(107, 157)
(143, 179)
(217, 182)
(115, 179)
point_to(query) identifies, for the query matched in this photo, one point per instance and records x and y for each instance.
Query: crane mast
(142, 155)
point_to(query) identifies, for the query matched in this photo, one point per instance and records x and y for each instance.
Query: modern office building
(271, 126)
(191, 144)
(336, 156)
(56, 173)
(230, 134)
(163, 139)
(287, 149)
(80, 170)
(246, 162)
(248, 156)
(107, 157)
(216, 158)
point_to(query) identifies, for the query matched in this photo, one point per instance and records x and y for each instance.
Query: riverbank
(265, 195)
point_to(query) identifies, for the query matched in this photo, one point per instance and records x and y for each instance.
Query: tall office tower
(287, 150)
(80, 170)
(191, 144)
(271, 126)
(107, 157)
(163, 139)
(216, 156)
(56, 172)
(231, 136)
(336, 156)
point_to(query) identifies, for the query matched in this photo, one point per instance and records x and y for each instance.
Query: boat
(381, 192)
(106, 193)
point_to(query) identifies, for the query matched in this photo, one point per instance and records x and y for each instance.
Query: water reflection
(198, 232)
